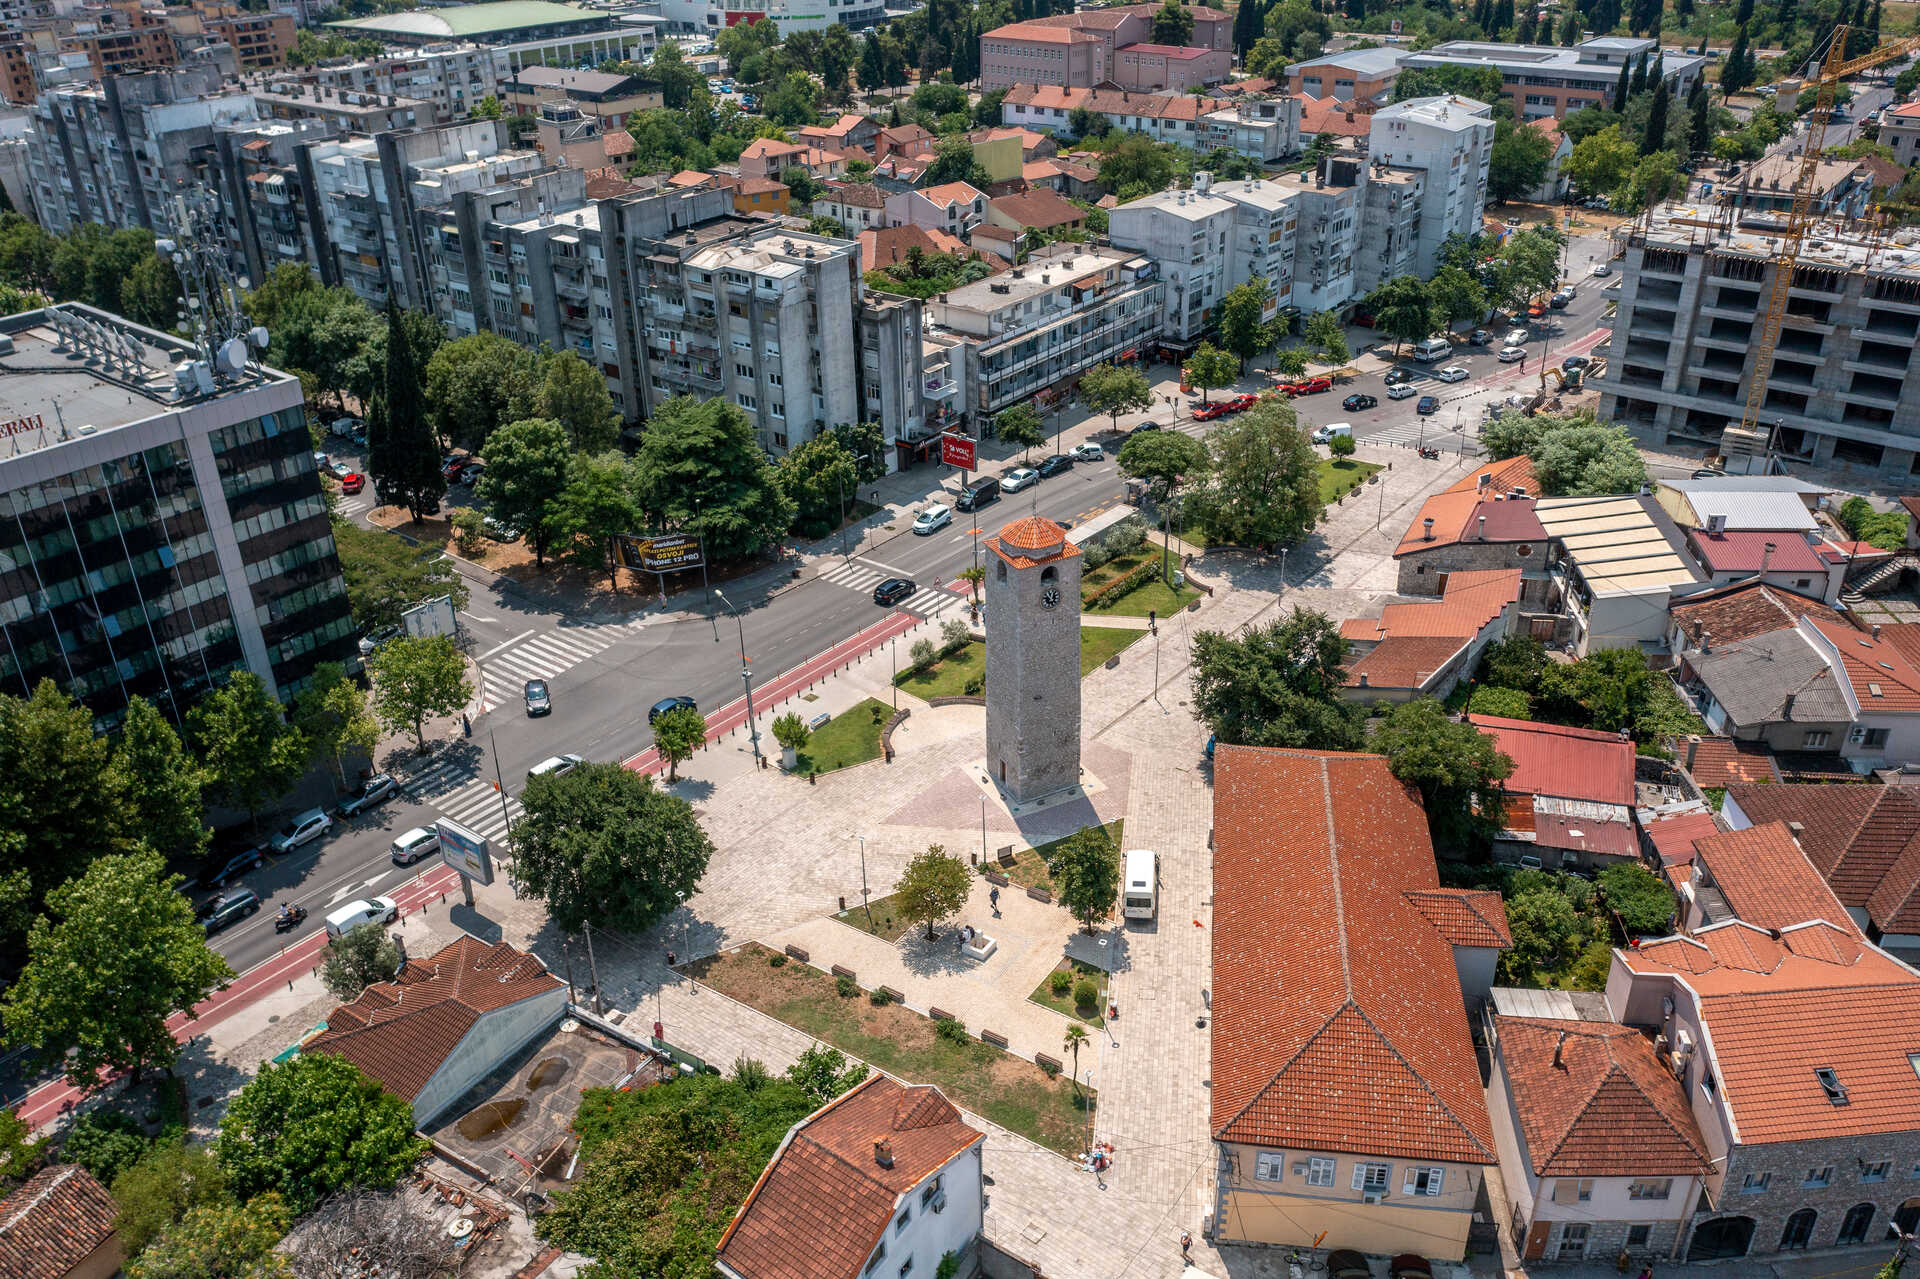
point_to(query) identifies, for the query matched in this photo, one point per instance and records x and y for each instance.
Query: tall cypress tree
(1249, 19)
(402, 455)
(1655, 137)
(1638, 84)
(1503, 16)
(1620, 89)
(1733, 72)
(1525, 32)
(1700, 120)
(1570, 29)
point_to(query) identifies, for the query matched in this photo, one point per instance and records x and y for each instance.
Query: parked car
(1058, 464)
(373, 641)
(377, 789)
(230, 908)
(936, 517)
(1708, 473)
(415, 844)
(1573, 362)
(1327, 433)
(1559, 300)
(340, 470)
(539, 697)
(352, 482)
(1308, 386)
(497, 531)
(1452, 373)
(239, 863)
(450, 469)
(344, 427)
(1018, 478)
(555, 766)
(1428, 405)
(893, 590)
(1208, 412)
(304, 829)
(320, 460)
(1508, 354)
(1401, 391)
(1517, 337)
(1357, 401)
(1143, 427)
(471, 472)
(1087, 451)
(1479, 337)
(678, 702)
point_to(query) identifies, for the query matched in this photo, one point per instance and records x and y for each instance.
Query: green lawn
(1099, 643)
(1115, 569)
(887, 923)
(1029, 869)
(947, 677)
(1153, 595)
(851, 737)
(1063, 1004)
(1339, 475)
(1012, 1092)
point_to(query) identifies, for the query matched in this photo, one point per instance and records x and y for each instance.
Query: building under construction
(1692, 303)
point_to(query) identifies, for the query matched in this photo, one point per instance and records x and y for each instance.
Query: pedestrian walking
(1186, 1245)
(993, 898)
(466, 725)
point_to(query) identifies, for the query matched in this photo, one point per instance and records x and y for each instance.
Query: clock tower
(1033, 660)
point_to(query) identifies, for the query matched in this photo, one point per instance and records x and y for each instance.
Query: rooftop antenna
(210, 293)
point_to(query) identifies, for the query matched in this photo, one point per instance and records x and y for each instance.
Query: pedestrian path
(856, 575)
(1432, 430)
(469, 799)
(542, 656)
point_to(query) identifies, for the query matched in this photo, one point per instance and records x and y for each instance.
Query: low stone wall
(957, 701)
(898, 718)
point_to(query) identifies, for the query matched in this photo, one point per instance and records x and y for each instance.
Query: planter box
(839, 971)
(796, 953)
(980, 948)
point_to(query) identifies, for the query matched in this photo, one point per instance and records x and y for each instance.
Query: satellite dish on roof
(231, 358)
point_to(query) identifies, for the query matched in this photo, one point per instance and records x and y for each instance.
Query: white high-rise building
(1452, 139)
(1186, 232)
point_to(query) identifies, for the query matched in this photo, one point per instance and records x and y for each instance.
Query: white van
(1326, 433)
(1432, 349)
(1140, 894)
(374, 910)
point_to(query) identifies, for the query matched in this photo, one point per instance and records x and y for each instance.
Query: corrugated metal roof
(1615, 543)
(1751, 510)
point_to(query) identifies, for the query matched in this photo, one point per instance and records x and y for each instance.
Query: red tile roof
(1033, 533)
(951, 193)
(1766, 879)
(1723, 761)
(1673, 837)
(1465, 916)
(1330, 115)
(1337, 1017)
(1180, 52)
(859, 195)
(1882, 671)
(825, 1200)
(1745, 551)
(1403, 661)
(1504, 476)
(401, 1032)
(58, 1219)
(1584, 833)
(1865, 840)
(1041, 207)
(884, 246)
(1592, 1100)
(1472, 599)
(1039, 34)
(1457, 515)
(1571, 763)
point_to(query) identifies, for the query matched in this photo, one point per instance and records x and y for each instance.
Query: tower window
(1003, 572)
(1049, 573)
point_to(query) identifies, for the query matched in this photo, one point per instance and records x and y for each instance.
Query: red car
(1307, 386)
(1240, 403)
(1208, 412)
(352, 482)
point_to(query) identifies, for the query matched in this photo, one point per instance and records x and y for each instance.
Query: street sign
(957, 450)
(666, 553)
(464, 851)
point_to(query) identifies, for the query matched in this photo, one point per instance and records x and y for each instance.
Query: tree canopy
(1455, 766)
(1262, 483)
(701, 470)
(308, 1127)
(1277, 685)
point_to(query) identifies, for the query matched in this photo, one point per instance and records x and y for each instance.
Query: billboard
(957, 450)
(464, 851)
(665, 553)
(435, 617)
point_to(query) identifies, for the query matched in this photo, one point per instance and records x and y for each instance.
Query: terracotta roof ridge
(1633, 1081)
(1306, 1043)
(1339, 895)
(1445, 1108)
(62, 1178)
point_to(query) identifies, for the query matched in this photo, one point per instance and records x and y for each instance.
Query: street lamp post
(746, 675)
(863, 877)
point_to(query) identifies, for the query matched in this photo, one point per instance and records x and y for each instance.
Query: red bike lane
(48, 1101)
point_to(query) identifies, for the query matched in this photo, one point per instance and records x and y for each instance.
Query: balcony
(939, 388)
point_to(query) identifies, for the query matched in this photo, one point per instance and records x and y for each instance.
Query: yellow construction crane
(1748, 437)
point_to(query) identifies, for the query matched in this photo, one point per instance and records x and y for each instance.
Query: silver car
(1018, 478)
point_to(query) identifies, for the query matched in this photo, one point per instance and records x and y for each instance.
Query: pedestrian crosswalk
(1436, 430)
(354, 505)
(472, 801)
(856, 575)
(541, 656)
(928, 601)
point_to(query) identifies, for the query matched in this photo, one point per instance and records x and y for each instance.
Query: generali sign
(22, 425)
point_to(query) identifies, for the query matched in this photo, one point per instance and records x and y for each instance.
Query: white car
(1018, 478)
(1603, 270)
(1508, 354)
(414, 845)
(933, 519)
(1452, 373)
(555, 766)
(1517, 337)
(305, 828)
(1087, 452)
(1401, 391)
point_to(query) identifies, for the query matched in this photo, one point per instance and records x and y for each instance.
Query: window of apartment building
(1424, 1181)
(1755, 1183)
(1320, 1171)
(1269, 1165)
(879, 1255)
(1637, 1236)
(1816, 738)
(1872, 737)
(743, 370)
(1876, 1171)
(777, 408)
(746, 402)
(1654, 1188)
(1570, 1190)
(1818, 1177)
(1371, 1178)
(900, 1222)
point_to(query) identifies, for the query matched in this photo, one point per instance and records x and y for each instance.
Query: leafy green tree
(331, 714)
(1324, 333)
(1404, 309)
(604, 845)
(105, 1143)
(1482, 84)
(1655, 178)
(934, 886)
(1546, 930)
(21, 1155)
(1455, 766)
(1644, 904)
(677, 735)
(1137, 166)
(1737, 71)
(416, 677)
(526, 474)
(1528, 264)
(1457, 295)
(477, 384)
(1115, 389)
(871, 73)
(161, 782)
(166, 1183)
(1342, 446)
(1173, 24)
(954, 161)
(1277, 685)
(358, 958)
(402, 457)
(1167, 457)
(1020, 425)
(1242, 319)
(318, 331)
(121, 955)
(595, 508)
(1512, 434)
(1588, 460)
(794, 101)
(1087, 872)
(385, 576)
(824, 1073)
(1209, 368)
(1263, 480)
(1570, 28)
(1505, 703)
(677, 78)
(1518, 162)
(866, 443)
(1302, 30)
(701, 470)
(573, 393)
(312, 1126)
(251, 753)
(1085, 122)
(838, 53)
(26, 253)
(220, 1241)
(819, 477)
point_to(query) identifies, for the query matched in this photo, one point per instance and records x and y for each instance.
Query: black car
(1427, 406)
(1353, 402)
(1396, 376)
(1573, 362)
(1144, 426)
(230, 909)
(1055, 465)
(219, 872)
(893, 590)
(678, 703)
(539, 700)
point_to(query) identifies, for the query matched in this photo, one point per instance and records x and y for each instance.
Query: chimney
(1766, 556)
(1426, 530)
(1483, 528)
(1693, 745)
(1706, 641)
(1363, 679)
(883, 1152)
(1559, 1046)
(1798, 829)
(1876, 631)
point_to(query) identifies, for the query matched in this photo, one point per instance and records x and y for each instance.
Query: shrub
(879, 713)
(1120, 586)
(105, 1143)
(1093, 556)
(847, 987)
(1507, 703)
(1341, 446)
(776, 961)
(923, 653)
(949, 1266)
(791, 731)
(1126, 537)
(467, 529)
(951, 1031)
(750, 1074)
(976, 685)
(879, 998)
(1050, 1069)
(1060, 981)
(1645, 905)
(1085, 993)
(954, 635)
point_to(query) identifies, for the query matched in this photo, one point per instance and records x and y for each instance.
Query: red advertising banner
(956, 450)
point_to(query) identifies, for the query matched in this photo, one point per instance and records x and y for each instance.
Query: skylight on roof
(1874, 689)
(1830, 1082)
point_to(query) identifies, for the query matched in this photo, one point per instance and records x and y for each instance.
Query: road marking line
(505, 643)
(476, 617)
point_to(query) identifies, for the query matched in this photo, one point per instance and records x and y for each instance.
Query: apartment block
(1331, 202)
(1690, 306)
(1263, 242)
(607, 97)
(1451, 140)
(1094, 46)
(1551, 81)
(162, 530)
(452, 76)
(1029, 333)
(1394, 207)
(1186, 233)
(260, 41)
(350, 112)
(1363, 77)
(268, 210)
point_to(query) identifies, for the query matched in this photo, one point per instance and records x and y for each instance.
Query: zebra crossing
(1433, 431)
(542, 656)
(354, 505)
(466, 798)
(930, 602)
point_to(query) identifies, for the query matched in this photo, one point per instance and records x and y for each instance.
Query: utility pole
(863, 877)
(746, 676)
(594, 968)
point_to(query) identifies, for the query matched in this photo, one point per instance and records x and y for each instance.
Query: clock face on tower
(1050, 597)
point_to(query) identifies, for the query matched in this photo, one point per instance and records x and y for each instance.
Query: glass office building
(153, 540)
